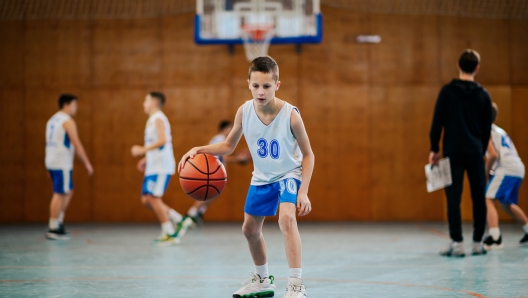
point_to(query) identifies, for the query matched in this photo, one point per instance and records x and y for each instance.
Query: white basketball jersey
(59, 149)
(508, 161)
(274, 149)
(159, 160)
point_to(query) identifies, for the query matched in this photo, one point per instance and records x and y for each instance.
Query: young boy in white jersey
(159, 165)
(198, 209)
(62, 142)
(282, 158)
(507, 171)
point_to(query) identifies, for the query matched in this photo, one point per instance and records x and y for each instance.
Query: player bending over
(507, 172)
(62, 141)
(159, 165)
(282, 158)
(198, 209)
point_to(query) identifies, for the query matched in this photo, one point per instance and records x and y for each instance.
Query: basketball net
(257, 40)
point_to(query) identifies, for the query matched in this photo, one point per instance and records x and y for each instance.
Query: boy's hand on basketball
(137, 150)
(434, 158)
(304, 206)
(187, 155)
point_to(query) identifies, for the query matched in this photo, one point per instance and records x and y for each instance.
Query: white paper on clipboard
(438, 176)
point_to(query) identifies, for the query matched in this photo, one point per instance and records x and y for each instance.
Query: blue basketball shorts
(62, 181)
(264, 200)
(155, 185)
(504, 188)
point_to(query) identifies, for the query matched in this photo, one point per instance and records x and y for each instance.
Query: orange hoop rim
(257, 31)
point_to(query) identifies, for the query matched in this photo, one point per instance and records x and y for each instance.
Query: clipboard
(438, 176)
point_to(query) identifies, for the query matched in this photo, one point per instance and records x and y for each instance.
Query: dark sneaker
(58, 234)
(478, 249)
(491, 244)
(197, 220)
(524, 240)
(454, 250)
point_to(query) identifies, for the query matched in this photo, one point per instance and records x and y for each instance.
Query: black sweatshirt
(463, 110)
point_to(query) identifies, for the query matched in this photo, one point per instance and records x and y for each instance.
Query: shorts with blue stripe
(155, 185)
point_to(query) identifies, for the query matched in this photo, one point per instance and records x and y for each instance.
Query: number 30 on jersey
(272, 149)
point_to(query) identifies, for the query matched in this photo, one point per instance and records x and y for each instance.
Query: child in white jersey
(62, 141)
(282, 158)
(508, 173)
(198, 209)
(159, 165)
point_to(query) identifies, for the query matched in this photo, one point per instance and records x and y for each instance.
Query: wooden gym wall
(367, 108)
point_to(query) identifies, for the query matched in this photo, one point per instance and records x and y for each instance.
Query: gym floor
(340, 260)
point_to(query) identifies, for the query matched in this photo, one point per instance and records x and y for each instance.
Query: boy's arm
(223, 148)
(492, 157)
(71, 130)
(138, 150)
(297, 126)
(436, 128)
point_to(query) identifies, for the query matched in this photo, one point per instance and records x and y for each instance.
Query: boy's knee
(287, 222)
(251, 232)
(145, 200)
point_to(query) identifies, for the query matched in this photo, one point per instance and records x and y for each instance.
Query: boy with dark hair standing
(282, 158)
(62, 141)
(463, 111)
(507, 173)
(159, 165)
(198, 209)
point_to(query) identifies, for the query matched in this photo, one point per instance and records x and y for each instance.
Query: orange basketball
(203, 177)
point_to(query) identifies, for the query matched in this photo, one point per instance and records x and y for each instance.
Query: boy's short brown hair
(494, 111)
(468, 61)
(264, 64)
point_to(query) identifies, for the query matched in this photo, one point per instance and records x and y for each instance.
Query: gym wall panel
(126, 53)
(367, 108)
(12, 146)
(518, 33)
(408, 53)
(489, 37)
(518, 133)
(12, 53)
(58, 53)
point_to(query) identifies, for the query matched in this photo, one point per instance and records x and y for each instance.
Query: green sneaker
(165, 240)
(256, 287)
(183, 226)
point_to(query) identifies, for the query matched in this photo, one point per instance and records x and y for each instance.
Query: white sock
(262, 270)
(168, 228)
(192, 212)
(495, 233)
(295, 272)
(61, 217)
(53, 223)
(525, 228)
(202, 209)
(175, 216)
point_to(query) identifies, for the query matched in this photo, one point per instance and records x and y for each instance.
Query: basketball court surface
(342, 260)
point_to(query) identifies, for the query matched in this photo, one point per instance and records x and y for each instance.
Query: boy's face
(227, 130)
(71, 107)
(149, 104)
(263, 87)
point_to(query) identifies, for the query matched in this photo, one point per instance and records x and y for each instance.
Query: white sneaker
(256, 287)
(295, 288)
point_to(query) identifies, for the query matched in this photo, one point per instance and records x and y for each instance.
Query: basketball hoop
(257, 40)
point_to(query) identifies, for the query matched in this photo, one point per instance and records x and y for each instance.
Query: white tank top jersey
(159, 160)
(274, 149)
(508, 161)
(59, 149)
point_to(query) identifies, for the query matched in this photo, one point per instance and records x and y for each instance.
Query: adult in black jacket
(463, 111)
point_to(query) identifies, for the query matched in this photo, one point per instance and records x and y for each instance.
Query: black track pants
(474, 165)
